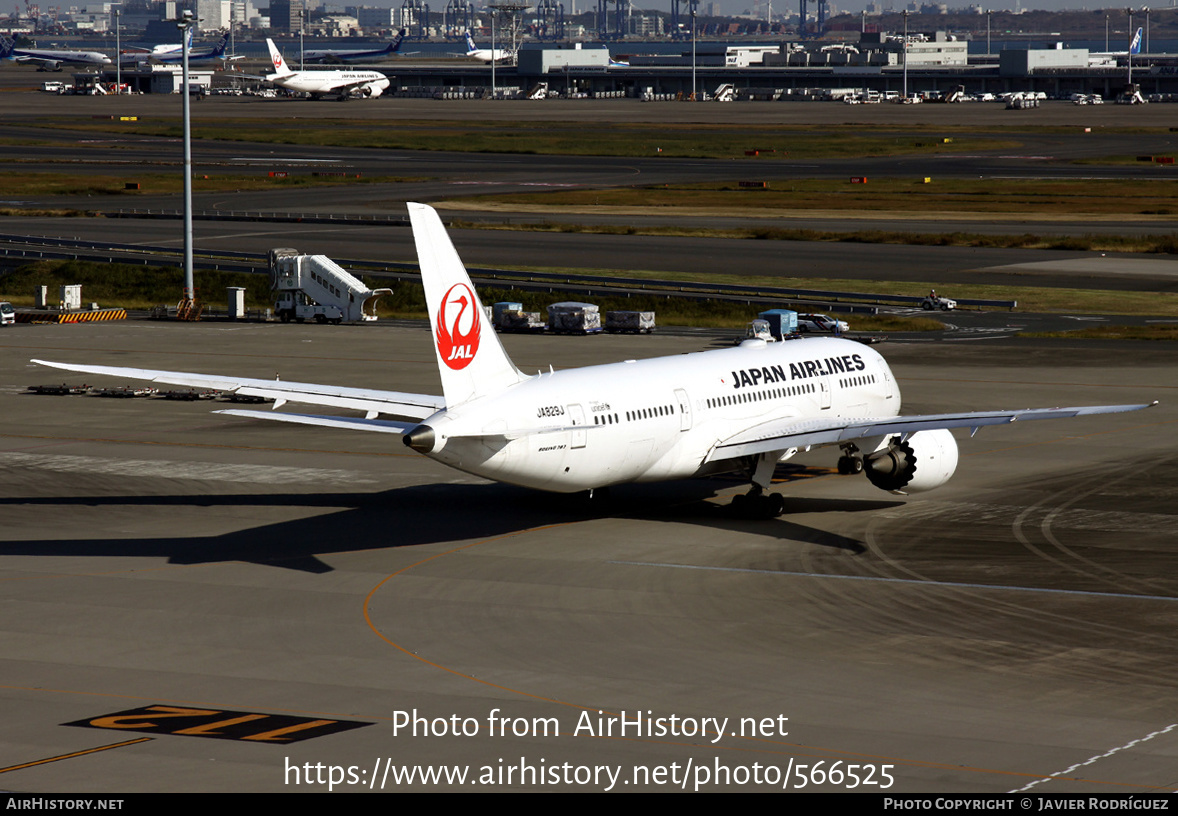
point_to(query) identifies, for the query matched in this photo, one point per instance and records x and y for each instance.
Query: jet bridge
(316, 287)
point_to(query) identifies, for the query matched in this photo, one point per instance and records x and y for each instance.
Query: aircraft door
(684, 409)
(577, 419)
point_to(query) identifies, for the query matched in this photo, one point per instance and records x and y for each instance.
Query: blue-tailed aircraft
(353, 55)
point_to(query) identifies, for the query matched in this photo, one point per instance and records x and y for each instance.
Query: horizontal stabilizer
(346, 423)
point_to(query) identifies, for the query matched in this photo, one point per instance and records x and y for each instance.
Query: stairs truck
(314, 287)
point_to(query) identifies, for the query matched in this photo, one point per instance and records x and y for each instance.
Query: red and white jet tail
(471, 359)
(281, 69)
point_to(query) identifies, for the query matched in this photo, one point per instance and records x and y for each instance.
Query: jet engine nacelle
(921, 462)
(372, 90)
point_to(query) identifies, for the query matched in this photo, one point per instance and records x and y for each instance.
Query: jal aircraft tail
(281, 69)
(471, 359)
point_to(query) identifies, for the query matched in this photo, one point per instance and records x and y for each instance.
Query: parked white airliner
(486, 54)
(742, 408)
(341, 82)
(50, 60)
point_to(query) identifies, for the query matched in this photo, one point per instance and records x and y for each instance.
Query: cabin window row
(649, 413)
(851, 382)
(757, 396)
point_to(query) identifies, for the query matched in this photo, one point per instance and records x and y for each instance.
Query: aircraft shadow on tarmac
(422, 514)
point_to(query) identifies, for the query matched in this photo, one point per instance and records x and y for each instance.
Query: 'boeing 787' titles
(737, 409)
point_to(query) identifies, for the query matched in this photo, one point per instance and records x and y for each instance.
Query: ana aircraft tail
(1135, 46)
(470, 46)
(280, 67)
(218, 50)
(395, 45)
(471, 359)
(6, 48)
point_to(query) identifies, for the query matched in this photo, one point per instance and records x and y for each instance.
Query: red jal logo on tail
(458, 326)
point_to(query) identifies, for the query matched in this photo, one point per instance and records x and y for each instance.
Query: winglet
(471, 359)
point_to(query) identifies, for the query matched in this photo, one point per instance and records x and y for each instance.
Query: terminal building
(875, 65)
(936, 64)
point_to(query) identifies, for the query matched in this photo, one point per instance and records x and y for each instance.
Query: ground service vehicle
(314, 287)
(932, 303)
(821, 323)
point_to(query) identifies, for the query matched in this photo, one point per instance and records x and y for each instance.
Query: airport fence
(257, 262)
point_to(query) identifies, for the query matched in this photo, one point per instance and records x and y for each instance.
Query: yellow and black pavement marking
(280, 729)
(71, 317)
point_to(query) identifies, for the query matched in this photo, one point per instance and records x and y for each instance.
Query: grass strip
(1149, 244)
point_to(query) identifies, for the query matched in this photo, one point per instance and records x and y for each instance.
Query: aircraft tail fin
(395, 45)
(281, 69)
(7, 47)
(470, 46)
(471, 360)
(1135, 48)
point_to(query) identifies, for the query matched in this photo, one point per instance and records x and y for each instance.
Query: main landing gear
(759, 502)
(850, 462)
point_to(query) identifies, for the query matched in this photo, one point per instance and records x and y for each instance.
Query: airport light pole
(118, 51)
(1129, 50)
(905, 55)
(185, 23)
(989, 14)
(693, 52)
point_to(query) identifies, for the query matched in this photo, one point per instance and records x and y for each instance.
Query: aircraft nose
(422, 439)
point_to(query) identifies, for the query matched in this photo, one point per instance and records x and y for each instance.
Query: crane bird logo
(458, 327)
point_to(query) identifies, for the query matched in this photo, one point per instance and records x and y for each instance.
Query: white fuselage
(331, 81)
(488, 55)
(67, 57)
(657, 419)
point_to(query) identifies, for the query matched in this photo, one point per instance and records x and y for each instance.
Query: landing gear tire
(849, 465)
(758, 505)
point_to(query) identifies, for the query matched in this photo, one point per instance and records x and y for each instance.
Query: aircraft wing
(52, 64)
(342, 87)
(372, 402)
(782, 434)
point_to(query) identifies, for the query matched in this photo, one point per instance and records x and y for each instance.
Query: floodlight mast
(187, 305)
